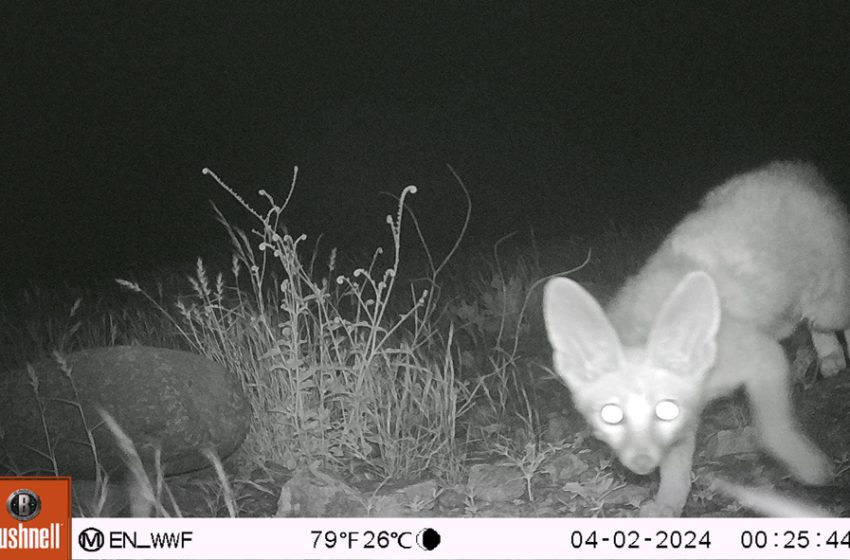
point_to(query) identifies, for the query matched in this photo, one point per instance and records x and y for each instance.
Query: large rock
(178, 401)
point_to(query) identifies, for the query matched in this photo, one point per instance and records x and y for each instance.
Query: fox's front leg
(830, 353)
(675, 481)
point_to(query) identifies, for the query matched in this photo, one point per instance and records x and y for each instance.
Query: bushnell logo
(23, 504)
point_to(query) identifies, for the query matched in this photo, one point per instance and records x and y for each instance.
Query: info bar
(459, 539)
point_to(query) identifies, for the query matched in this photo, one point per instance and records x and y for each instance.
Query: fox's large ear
(682, 339)
(584, 343)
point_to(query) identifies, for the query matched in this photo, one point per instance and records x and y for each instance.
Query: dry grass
(362, 371)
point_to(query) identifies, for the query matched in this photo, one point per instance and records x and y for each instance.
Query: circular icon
(23, 504)
(91, 539)
(428, 539)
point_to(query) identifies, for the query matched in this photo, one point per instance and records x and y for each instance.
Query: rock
(179, 401)
(313, 493)
(732, 442)
(496, 483)
(405, 501)
(564, 466)
(452, 497)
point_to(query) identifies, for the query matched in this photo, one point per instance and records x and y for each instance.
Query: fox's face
(639, 400)
(640, 410)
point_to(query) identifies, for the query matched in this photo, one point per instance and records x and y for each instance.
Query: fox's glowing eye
(611, 414)
(667, 410)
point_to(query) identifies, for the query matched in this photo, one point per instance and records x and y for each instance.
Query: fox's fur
(763, 252)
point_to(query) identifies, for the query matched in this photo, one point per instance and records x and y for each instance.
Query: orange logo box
(35, 522)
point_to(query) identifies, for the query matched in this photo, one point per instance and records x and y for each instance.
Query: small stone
(496, 483)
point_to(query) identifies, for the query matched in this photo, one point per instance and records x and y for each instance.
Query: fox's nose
(642, 464)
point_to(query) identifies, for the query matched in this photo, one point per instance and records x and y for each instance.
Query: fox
(762, 253)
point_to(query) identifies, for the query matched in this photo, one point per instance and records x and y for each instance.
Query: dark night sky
(565, 116)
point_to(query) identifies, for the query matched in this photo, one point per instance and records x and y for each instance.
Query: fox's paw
(653, 508)
(832, 364)
(813, 468)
